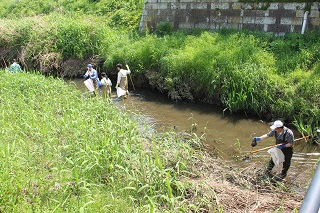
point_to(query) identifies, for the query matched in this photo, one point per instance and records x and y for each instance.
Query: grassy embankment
(58, 155)
(118, 14)
(64, 152)
(272, 77)
(258, 74)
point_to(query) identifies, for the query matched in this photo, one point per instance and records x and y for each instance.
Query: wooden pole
(130, 75)
(269, 147)
(132, 83)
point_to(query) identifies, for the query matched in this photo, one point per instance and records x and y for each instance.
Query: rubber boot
(280, 177)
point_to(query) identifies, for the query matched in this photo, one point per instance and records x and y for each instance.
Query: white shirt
(122, 73)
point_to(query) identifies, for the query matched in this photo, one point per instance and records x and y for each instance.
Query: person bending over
(285, 138)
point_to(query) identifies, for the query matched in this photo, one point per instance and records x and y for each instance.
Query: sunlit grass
(252, 73)
(61, 151)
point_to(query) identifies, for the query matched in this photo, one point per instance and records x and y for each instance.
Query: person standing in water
(93, 80)
(285, 138)
(105, 86)
(122, 81)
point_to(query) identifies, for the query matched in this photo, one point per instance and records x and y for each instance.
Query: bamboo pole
(269, 147)
(130, 75)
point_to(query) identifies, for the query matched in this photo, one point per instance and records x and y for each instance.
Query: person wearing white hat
(285, 138)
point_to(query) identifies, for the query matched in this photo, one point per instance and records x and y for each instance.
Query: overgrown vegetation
(61, 151)
(116, 13)
(259, 74)
(64, 152)
(255, 73)
(273, 77)
(57, 155)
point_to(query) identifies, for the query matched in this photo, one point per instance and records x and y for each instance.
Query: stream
(228, 134)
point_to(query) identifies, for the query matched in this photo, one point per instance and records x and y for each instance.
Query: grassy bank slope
(63, 152)
(245, 72)
(253, 73)
(116, 13)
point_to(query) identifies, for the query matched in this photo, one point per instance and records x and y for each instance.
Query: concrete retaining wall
(278, 18)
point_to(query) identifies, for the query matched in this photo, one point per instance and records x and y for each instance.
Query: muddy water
(228, 134)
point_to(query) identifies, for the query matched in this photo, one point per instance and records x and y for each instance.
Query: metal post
(304, 22)
(311, 202)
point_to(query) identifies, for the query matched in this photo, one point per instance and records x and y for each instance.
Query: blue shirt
(15, 67)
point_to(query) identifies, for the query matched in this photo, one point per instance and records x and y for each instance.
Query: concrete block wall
(279, 18)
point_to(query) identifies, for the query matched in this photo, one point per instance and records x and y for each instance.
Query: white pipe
(311, 201)
(304, 21)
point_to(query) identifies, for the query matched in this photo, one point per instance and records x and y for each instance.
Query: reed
(252, 73)
(63, 152)
(119, 14)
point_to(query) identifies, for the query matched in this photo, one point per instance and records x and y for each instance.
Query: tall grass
(117, 13)
(46, 42)
(64, 152)
(259, 74)
(239, 70)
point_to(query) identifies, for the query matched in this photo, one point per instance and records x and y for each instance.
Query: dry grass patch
(231, 189)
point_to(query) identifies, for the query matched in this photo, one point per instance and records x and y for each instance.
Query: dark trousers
(286, 164)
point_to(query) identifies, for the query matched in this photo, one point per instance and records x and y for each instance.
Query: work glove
(99, 83)
(127, 66)
(254, 141)
(281, 146)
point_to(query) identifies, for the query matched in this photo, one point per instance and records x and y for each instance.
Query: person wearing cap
(285, 138)
(14, 67)
(122, 81)
(106, 85)
(93, 75)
